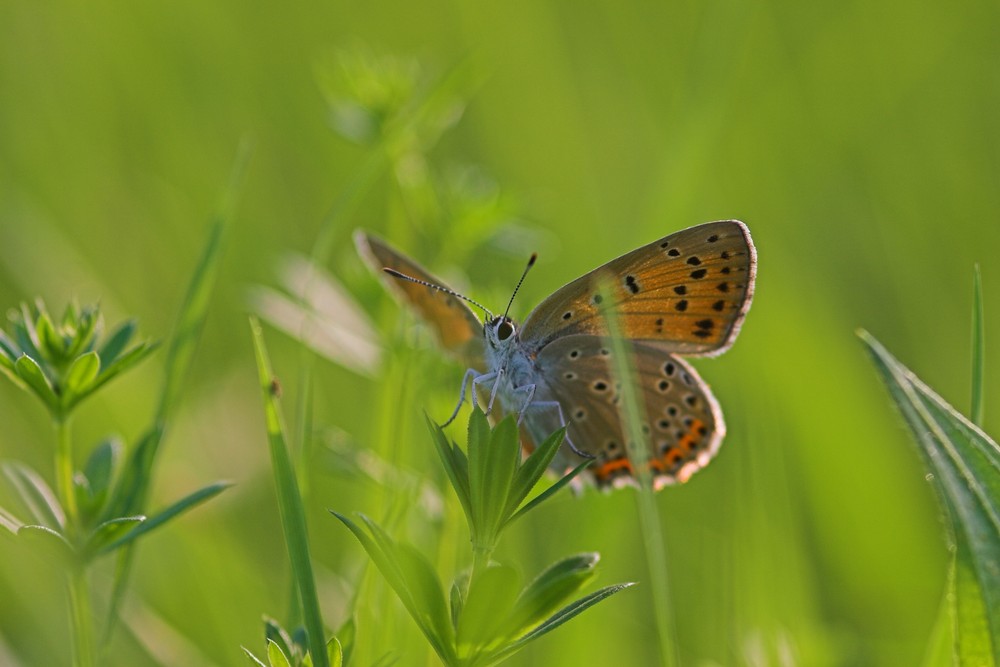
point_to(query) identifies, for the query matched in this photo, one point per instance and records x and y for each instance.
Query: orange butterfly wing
(456, 327)
(688, 293)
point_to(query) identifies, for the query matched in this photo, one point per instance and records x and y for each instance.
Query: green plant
(964, 464)
(487, 615)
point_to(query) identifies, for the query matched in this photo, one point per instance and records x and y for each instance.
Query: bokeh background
(858, 140)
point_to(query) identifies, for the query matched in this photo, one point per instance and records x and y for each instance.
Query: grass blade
(293, 518)
(978, 349)
(966, 465)
(630, 409)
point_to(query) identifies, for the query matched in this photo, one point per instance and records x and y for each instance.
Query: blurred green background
(858, 140)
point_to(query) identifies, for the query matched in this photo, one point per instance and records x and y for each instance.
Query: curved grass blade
(36, 495)
(965, 463)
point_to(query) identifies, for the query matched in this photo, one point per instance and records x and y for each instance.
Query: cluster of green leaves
(487, 615)
(100, 508)
(964, 463)
(291, 649)
(63, 362)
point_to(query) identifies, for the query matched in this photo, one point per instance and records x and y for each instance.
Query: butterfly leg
(529, 389)
(497, 374)
(562, 420)
(476, 378)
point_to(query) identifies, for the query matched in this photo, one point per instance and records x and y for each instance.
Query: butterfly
(684, 295)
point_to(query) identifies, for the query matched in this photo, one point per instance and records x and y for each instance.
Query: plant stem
(480, 561)
(83, 629)
(64, 474)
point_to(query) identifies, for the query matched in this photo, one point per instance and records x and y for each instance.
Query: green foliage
(286, 649)
(64, 363)
(488, 616)
(965, 463)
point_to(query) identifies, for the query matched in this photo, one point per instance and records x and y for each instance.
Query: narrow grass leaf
(41, 503)
(289, 502)
(978, 349)
(183, 505)
(631, 410)
(122, 364)
(966, 466)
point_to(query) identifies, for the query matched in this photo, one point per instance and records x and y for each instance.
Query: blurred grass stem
(64, 473)
(638, 450)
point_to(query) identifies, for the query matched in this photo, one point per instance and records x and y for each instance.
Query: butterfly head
(500, 332)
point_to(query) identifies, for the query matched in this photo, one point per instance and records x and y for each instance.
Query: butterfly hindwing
(683, 426)
(688, 292)
(456, 327)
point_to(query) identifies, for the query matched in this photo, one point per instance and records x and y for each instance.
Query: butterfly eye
(504, 330)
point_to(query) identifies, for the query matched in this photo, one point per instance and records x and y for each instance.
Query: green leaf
(50, 344)
(108, 531)
(968, 613)
(9, 521)
(31, 373)
(452, 458)
(86, 330)
(8, 349)
(382, 550)
(122, 364)
(501, 461)
(560, 617)
(532, 470)
(275, 656)
(254, 660)
(99, 472)
(273, 632)
(183, 505)
(479, 441)
(81, 374)
(552, 490)
(549, 590)
(116, 343)
(290, 507)
(334, 652)
(50, 543)
(41, 503)
(490, 601)
(965, 463)
(129, 494)
(345, 636)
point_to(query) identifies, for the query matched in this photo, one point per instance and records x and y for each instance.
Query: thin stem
(64, 474)
(83, 629)
(480, 561)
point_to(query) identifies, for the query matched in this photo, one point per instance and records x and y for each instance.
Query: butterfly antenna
(402, 276)
(531, 263)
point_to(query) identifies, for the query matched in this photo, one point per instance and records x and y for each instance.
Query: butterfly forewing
(688, 292)
(683, 425)
(454, 324)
